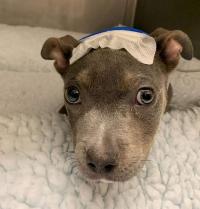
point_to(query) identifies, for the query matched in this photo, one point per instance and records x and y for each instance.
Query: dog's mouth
(105, 181)
(117, 176)
(112, 159)
(126, 166)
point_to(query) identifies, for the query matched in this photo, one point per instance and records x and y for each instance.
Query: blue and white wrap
(139, 44)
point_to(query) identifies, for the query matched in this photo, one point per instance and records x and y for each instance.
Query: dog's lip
(94, 177)
(98, 178)
(103, 180)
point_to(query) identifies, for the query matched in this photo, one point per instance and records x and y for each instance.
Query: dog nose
(98, 164)
(104, 167)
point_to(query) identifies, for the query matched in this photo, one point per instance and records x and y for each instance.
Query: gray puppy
(115, 103)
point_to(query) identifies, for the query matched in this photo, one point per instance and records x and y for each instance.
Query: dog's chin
(104, 181)
(99, 180)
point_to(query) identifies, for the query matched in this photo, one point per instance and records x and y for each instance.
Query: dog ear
(172, 44)
(60, 50)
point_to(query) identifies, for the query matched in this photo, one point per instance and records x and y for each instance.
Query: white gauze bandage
(139, 44)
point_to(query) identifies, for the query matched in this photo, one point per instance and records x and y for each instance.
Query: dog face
(114, 102)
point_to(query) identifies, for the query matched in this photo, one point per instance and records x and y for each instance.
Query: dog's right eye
(145, 96)
(72, 95)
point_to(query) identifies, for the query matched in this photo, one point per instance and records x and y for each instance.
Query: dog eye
(72, 95)
(145, 96)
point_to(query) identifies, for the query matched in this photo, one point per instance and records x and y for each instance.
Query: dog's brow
(77, 80)
(74, 80)
(71, 81)
(133, 76)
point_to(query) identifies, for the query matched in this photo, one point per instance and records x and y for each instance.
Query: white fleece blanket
(37, 170)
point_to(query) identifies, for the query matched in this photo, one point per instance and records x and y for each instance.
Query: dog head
(114, 102)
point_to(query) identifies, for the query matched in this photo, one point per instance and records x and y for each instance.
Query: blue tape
(114, 28)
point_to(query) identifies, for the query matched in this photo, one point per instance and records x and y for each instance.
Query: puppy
(115, 103)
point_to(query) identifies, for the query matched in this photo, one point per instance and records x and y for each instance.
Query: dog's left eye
(145, 96)
(72, 95)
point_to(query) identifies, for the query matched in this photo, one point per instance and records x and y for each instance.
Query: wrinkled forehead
(115, 69)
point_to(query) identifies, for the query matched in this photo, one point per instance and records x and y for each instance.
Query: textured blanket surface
(37, 167)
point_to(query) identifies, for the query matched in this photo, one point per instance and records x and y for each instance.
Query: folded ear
(172, 44)
(60, 50)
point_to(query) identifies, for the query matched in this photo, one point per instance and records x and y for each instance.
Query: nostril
(109, 168)
(98, 164)
(92, 166)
